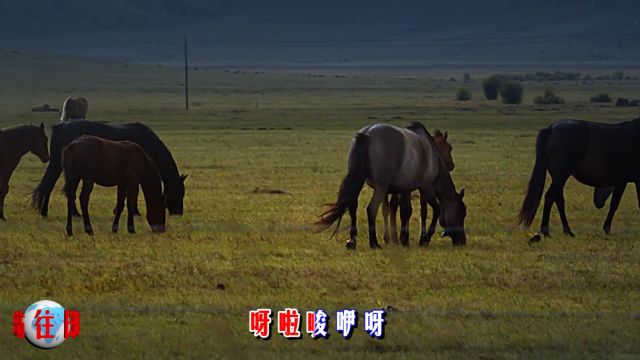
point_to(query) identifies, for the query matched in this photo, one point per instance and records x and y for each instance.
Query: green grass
(145, 295)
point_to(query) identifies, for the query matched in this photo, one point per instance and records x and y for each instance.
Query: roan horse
(65, 133)
(390, 227)
(395, 160)
(14, 143)
(595, 154)
(74, 108)
(112, 163)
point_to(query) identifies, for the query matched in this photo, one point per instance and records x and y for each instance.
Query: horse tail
(67, 167)
(65, 112)
(351, 184)
(536, 183)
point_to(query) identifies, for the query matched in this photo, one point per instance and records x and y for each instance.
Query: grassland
(158, 296)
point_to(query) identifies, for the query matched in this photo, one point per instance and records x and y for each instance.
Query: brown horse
(14, 143)
(74, 108)
(112, 163)
(397, 200)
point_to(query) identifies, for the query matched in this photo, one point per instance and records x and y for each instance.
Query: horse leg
(353, 209)
(75, 210)
(557, 184)
(132, 200)
(385, 216)
(4, 190)
(405, 216)
(563, 214)
(427, 196)
(85, 194)
(600, 196)
(393, 218)
(136, 212)
(372, 211)
(638, 192)
(122, 193)
(613, 207)
(71, 185)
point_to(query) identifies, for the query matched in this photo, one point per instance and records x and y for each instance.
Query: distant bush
(618, 75)
(545, 76)
(467, 77)
(601, 98)
(511, 92)
(548, 98)
(463, 94)
(491, 86)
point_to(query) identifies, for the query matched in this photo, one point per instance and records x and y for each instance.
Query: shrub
(618, 75)
(491, 85)
(463, 94)
(511, 92)
(601, 98)
(467, 77)
(548, 98)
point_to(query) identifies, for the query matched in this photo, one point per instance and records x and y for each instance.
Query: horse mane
(416, 126)
(19, 130)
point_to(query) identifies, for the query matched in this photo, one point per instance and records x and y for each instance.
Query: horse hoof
(89, 232)
(114, 229)
(69, 232)
(3, 218)
(607, 230)
(351, 245)
(568, 232)
(535, 238)
(425, 240)
(375, 246)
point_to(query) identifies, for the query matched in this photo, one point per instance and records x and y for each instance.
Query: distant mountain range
(328, 31)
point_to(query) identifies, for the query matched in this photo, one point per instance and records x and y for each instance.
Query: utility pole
(186, 76)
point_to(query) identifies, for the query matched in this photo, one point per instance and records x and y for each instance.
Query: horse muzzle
(459, 238)
(157, 229)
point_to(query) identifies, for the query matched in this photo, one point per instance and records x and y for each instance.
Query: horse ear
(183, 177)
(42, 126)
(446, 135)
(462, 193)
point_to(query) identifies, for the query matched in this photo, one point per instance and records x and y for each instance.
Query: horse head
(452, 218)
(175, 204)
(40, 144)
(444, 147)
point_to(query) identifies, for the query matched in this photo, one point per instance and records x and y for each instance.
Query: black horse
(599, 155)
(64, 133)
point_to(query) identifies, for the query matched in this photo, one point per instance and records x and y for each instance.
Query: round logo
(44, 324)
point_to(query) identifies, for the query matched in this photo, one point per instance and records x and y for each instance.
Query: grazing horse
(390, 227)
(595, 154)
(65, 133)
(396, 160)
(112, 163)
(74, 108)
(14, 143)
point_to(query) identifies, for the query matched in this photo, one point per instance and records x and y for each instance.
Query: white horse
(74, 108)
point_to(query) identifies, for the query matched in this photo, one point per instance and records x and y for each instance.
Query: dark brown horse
(396, 160)
(14, 143)
(74, 108)
(404, 200)
(595, 154)
(112, 163)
